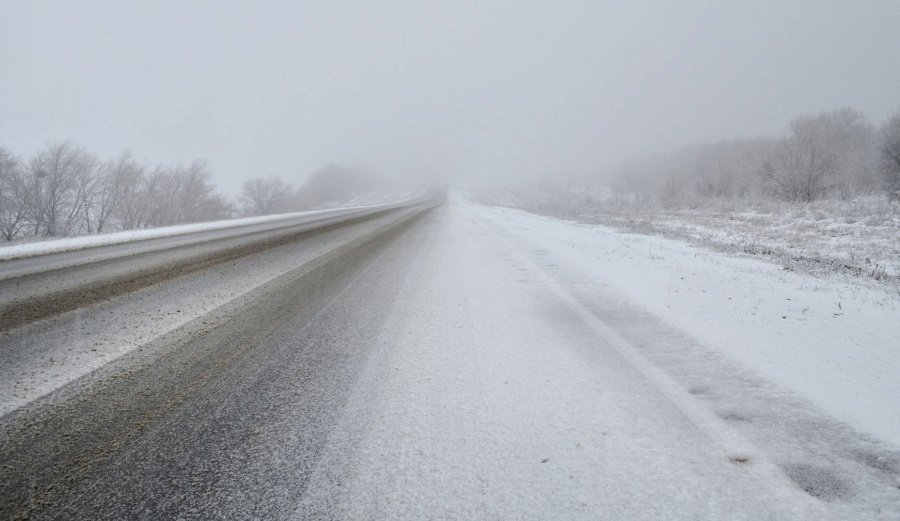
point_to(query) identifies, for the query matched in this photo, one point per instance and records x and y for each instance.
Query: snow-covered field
(835, 342)
(823, 236)
(854, 238)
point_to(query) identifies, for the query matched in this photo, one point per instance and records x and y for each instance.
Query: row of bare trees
(835, 154)
(64, 190)
(327, 186)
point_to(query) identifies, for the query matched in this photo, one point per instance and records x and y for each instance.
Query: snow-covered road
(479, 363)
(835, 341)
(502, 388)
(490, 396)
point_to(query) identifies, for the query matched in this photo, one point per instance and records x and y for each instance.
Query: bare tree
(14, 196)
(183, 195)
(193, 190)
(196, 196)
(119, 186)
(216, 206)
(850, 141)
(798, 169)
(65, 190)
(159, 192)
(890, 154)
(263, 196)
(139, 200)
(829, 153)
(79, 216)
(54, 176)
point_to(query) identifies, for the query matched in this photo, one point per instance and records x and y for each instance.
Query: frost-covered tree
(180, 194)
(797, 171)
(64, 190)
(826, 154)
(726, 169)
(134, 204)
(55, 184)
(890, 154)
(263, 196)
(80, 215)
(851, 141)
(14, 196)
(118, 186)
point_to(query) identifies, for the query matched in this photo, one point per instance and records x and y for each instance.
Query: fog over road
(438, 369)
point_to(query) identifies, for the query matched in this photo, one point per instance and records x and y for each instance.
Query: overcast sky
(475, 88)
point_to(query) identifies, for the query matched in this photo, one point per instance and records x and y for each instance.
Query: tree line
(64, 190)
(836, 154)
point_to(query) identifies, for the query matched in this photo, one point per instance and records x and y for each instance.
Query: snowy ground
(859, 237)
(512, 366)
(538, 369)
(837, 236)
(493, 394)
(836, 343)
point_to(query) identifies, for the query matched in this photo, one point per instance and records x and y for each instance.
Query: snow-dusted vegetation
(825, 197)
(64, 190)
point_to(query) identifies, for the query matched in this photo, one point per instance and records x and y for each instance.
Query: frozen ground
(515, 380)
(859, 238)
(493, 393)
(837, 343)
(862, 235)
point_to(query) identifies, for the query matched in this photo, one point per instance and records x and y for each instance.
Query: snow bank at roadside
(859, 237)
(107, 239)
(836, 343)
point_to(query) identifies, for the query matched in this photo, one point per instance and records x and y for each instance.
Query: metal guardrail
(44, 285)
(30, 263)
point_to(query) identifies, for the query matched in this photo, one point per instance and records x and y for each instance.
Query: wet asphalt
(221, 419)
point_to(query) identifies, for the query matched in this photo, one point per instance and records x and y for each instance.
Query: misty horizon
(467, 91)
(415, 260)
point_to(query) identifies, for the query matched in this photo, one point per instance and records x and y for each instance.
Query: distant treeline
(836, 154)
(64, 190)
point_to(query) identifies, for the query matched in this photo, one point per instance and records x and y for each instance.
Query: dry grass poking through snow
(858, 238)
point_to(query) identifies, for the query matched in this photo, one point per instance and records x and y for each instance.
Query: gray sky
(475, 88)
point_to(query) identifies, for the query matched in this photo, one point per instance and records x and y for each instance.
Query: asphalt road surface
(431, 369)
